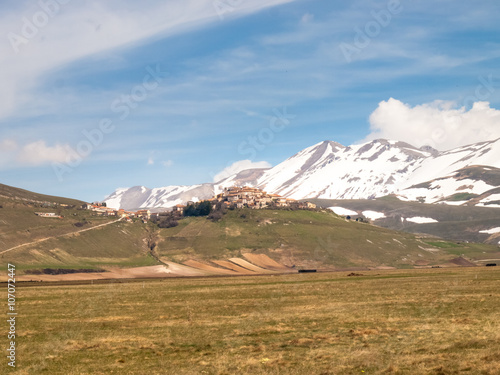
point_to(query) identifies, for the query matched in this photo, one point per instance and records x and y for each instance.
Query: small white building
(48, 214)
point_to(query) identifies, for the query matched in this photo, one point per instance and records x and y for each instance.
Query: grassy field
(439, 321)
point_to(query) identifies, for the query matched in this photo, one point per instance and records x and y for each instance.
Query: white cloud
(439, 124)
(239, 166)
(8, 145)
(80, 29)
(152, 160)
(38, 153)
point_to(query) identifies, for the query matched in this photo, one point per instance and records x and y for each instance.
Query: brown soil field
(262, 260)
(462, 262)
(250, 266)
(113, 273)
(206, 267)
(234, 267)
(256, 264)
(182, 270)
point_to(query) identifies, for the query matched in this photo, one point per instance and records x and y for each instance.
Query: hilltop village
(230, 198)
(240, 197)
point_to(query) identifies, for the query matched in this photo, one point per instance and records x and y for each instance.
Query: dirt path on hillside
(61, 235)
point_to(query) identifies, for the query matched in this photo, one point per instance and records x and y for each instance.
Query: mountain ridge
(329, 170)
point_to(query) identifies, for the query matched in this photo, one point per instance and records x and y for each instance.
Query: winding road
(61, 235)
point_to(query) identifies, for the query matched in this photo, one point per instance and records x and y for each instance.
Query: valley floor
(433, 321)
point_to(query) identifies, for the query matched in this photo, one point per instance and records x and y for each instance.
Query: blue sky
(174, 93)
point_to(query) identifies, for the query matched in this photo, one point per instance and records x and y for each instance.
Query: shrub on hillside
(217, 213)
(215, 216)
(168, 222)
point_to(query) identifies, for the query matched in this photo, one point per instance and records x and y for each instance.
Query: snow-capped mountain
(165, 197)
(330, 170)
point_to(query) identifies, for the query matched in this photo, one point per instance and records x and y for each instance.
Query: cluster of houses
(240, 197)
(232, 197)
(102, 210)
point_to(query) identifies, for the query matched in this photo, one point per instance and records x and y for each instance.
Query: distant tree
(190, 210)
(202, 208)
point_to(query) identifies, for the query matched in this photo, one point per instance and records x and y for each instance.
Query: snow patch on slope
(373, 215)
(421, 220)
(491, 231)
(454, 203)
(491, 198)
(342, 211)
(445, 187)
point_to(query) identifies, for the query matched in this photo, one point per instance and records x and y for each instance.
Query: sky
(97, 95)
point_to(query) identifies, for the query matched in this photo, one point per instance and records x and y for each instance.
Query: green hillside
(304, 238)
(19, 224)
(33, 242)
(117, 244)
(300, 238)
(295, 238)
(17, 194)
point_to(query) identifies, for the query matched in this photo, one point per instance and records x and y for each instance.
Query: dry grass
(386, 322)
